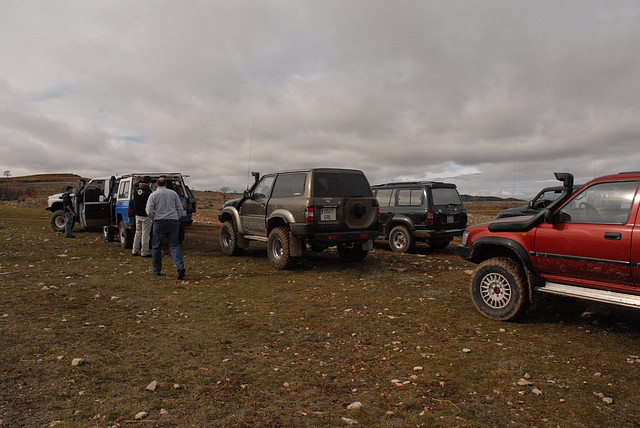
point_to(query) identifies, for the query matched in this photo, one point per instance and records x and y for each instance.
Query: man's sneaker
(181, 273)
(70, 236)
(146, 256)
(135, 254)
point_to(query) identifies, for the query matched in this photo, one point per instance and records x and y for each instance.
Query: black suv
(542, 200)
(310, 209)
(427, 211)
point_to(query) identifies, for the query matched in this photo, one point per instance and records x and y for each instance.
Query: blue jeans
(171, 230)
(68, 223)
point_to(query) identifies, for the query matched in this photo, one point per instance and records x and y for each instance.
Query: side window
(603, 203)
(384, 197)
(123, 192)
(289, 185)
(409, 197)
(263, 189)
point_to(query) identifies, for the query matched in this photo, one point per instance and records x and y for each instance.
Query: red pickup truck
(586, 244)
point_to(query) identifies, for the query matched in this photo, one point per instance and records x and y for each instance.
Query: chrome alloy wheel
(495, 290)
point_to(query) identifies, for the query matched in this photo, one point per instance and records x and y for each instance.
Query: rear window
(340, 184)
(384, 197)
(445, 196)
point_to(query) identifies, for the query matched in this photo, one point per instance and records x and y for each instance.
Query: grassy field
(240, 344)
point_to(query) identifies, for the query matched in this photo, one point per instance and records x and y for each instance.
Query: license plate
(327, 214)
(449, 219)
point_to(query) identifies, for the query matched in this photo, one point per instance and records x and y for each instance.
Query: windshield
(341, 184)
(445, 196)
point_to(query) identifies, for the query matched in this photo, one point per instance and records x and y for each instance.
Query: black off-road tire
(229, 240)
(352, 252)
(57, 221)
(108, 233)
(440, 244)
(401, 240)
(499, 289)
(125, 235)
(278, 248)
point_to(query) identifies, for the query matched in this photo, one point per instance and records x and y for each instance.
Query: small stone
(607, 400)
(152, 386)
(536, 391)
(286, 384)
(164, 412)
(466, 350)
(77, 362)
(418, 368)
(354, 406)
(350, 421)
(176, 386)
(524, 382)
(141, 415)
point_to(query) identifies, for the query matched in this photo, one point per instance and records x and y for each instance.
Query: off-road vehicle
(122, 219)
(303, 210)
(89, 200)
(539, 202)
(582, 245)
(426, 211)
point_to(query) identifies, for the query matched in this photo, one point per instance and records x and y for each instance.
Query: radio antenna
(253, 122)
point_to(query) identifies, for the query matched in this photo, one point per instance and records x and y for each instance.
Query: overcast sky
(492, 95)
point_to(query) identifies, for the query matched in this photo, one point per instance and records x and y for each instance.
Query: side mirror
(548, 217)
(246, 194)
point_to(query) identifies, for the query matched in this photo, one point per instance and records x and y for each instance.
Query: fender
(396, 220)
(509, 244)
(285, 215)
(235, 217)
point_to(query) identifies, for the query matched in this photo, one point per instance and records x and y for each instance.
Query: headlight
(465, 237)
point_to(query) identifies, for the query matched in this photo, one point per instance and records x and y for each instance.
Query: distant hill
(37, 186)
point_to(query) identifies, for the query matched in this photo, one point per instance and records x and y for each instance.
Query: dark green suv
(426, 211)
(296, 211)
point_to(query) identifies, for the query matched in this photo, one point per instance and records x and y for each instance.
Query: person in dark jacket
(69, 213)
(143, 222)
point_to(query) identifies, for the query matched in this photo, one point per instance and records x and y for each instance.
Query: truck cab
(91, 204)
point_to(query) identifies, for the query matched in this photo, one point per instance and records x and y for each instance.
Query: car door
(386, 199)
(254, 209)
(95, 210)
(590, 241)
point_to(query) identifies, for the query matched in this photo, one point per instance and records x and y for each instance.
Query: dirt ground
(89, 337)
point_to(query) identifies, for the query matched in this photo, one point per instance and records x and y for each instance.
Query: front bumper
(464, 251)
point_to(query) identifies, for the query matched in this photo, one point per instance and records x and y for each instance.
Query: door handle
(613, 236)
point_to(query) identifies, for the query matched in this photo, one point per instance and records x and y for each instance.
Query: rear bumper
(305, 231)
(437, 234)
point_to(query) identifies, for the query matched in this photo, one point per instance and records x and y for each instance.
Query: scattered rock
(536, 391)
(350, 421)
(141, 415)
(152, 386)
(418, 368)
(78, 362)
(164, 412)
(466, 350)
(354, 406)
(524, 382)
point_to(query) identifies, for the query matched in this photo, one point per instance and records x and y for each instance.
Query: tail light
(309, 216)
(130, 211)
(378, 213)
(430, 220)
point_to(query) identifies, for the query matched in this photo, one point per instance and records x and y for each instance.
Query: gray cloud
(493, 95)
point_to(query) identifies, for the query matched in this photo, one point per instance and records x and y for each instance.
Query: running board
(603, 296)
(256, 238)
